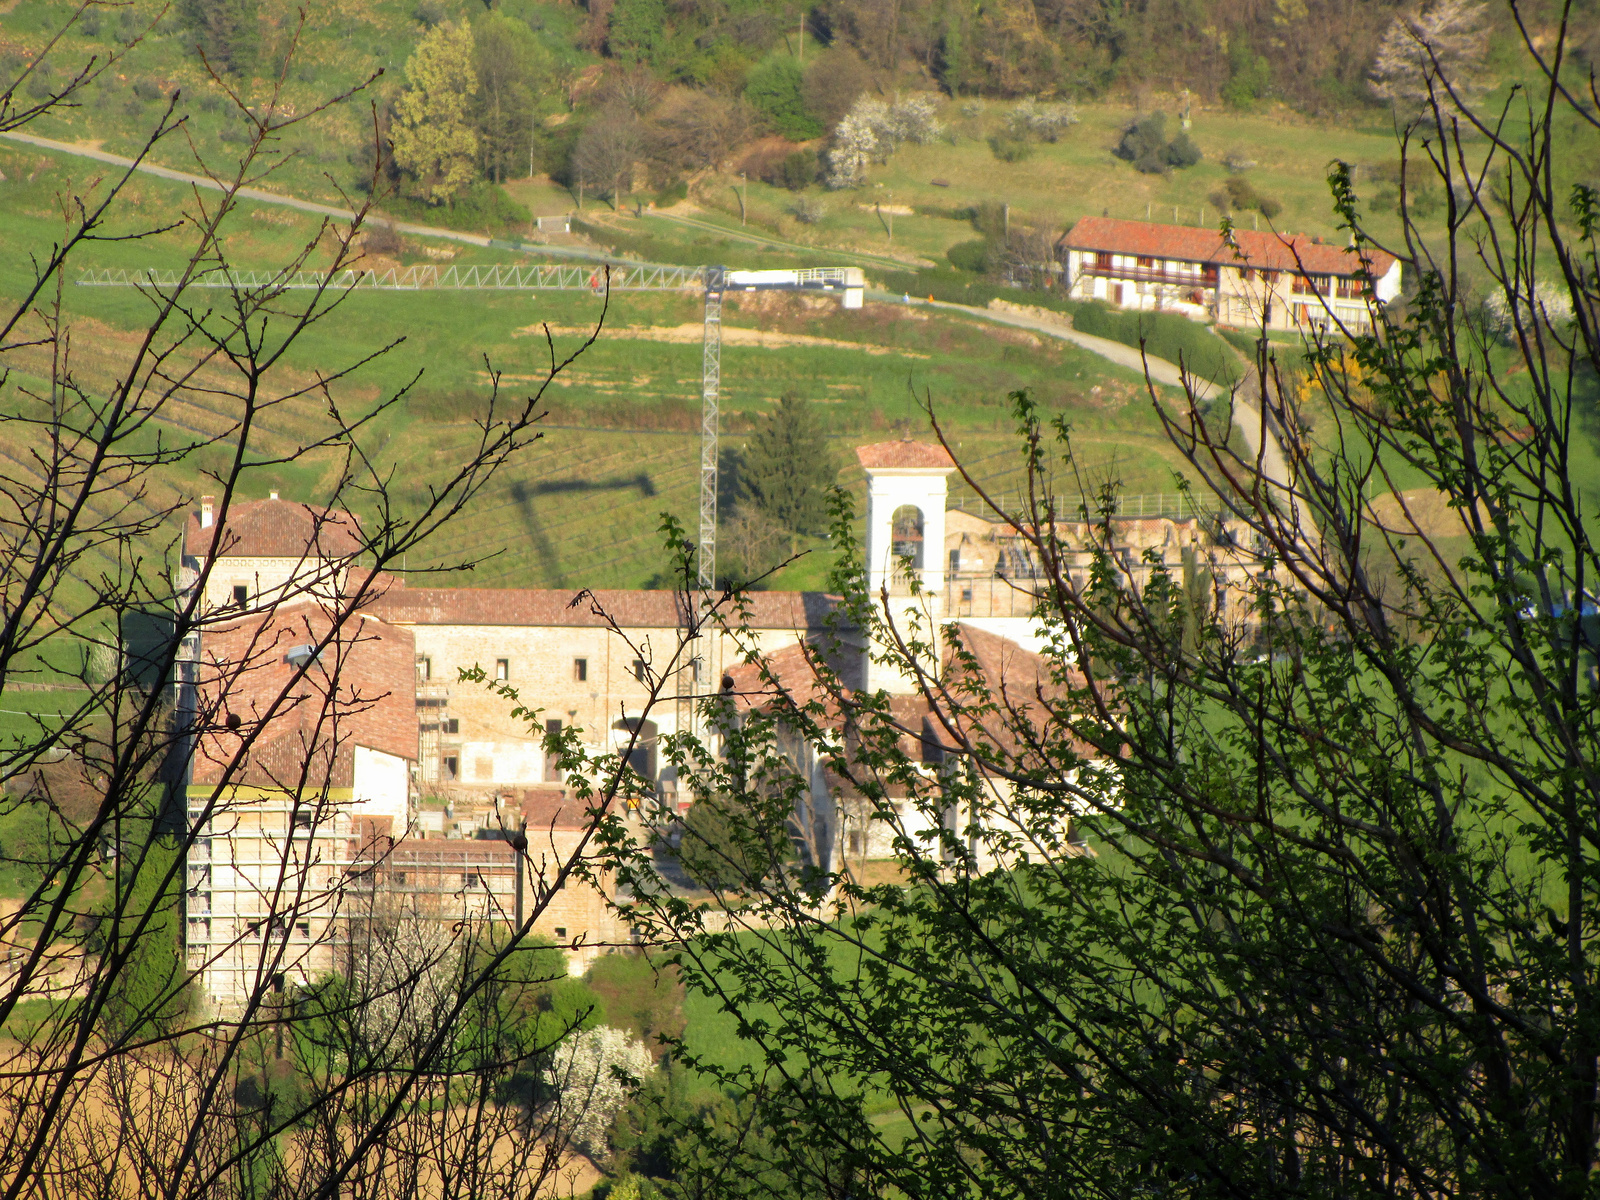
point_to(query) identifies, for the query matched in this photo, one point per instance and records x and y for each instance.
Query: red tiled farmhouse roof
(657, 609)
(276, 529)
(887, 456)
(1269, 251)
(361, 692)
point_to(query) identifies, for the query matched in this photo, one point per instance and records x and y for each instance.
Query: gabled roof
(360, 692)
(905, 455)
(1262, 250)
(275, 529)
(658, 609)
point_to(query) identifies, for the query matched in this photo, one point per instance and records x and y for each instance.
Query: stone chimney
(207, 504)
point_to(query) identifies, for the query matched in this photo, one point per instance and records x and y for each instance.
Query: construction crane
(848, 283)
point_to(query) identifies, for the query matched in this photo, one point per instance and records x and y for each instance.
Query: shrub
(1144, 144)
(808, 210)
(1241, 192)
(210, 102)
(675, 191)
(133, 106)
(1182, 152)
(970, 256)
(1268, 207)
(1008, 149)
(1045, 122)
(798, 170)
(146, 89)
(39, 86)
(89, 24)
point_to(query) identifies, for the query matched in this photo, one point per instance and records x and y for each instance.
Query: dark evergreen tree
(788, 467)
(226, 32)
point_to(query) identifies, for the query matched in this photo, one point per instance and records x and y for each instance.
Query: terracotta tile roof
(885, 456)
(656, 609)
(1270, 251)
(276, 529)
(362, 693)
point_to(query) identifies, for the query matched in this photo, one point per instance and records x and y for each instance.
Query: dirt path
(732, 335)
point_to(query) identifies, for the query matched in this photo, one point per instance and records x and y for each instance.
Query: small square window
(452, 725)
(502, 668)
(580, 669)
(302, 818)
(561, 931)
(302, 929)
(639, 669)
(241, 595)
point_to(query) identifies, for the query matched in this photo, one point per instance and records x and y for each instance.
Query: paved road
(308, 206)
(1246, 397)
(1246, 414)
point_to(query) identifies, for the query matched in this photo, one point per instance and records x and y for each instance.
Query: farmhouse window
(424, 668)
(453, 725)
(450, 765)
(580, 669)
(241, 595)
(561, 931)
(1102, 260)
(639, 669)
(502, 668)
(1146, 261)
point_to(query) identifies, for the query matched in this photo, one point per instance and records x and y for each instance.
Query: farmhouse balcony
(1206, 277)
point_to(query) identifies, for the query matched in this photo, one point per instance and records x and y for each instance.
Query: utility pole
(802, 34)
(710, 391)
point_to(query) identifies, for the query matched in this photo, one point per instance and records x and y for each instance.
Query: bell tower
(907, 486)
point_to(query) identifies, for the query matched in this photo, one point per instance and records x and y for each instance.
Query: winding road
(1263, 445)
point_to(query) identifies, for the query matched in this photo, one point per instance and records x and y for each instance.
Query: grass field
(622, 429)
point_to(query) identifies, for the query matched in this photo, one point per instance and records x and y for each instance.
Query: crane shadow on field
(526, 495)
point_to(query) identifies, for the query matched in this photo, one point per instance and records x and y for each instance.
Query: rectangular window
(302, 818)
(561, 931)
(1116, 293)
(302, 929)
(450, 766)
(955, 559)
(694, 669)
(424, 668)
(1102, 260)
(502, 668)
(580, 669)
(1146, 262)
(451, 726)
(400, 878)
(639, 669)
(277, 982)
(241, 595)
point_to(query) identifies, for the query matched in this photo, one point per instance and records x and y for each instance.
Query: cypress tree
(788, 467)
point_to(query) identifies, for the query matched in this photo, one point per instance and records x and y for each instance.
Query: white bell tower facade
(907, 488)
